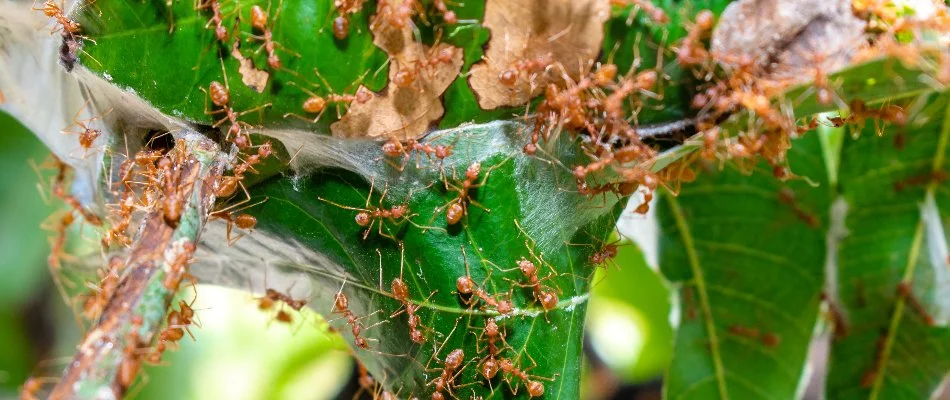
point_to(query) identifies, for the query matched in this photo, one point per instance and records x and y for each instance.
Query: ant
(406, 77)
(447, 15)
(259, 22)
(131, 361)
(547, 298)
(466, 286)
(906, 292)
(55, 11)
(656, 13)
(217, 19)
(178, 323)
(400, 292)
(370, 215)
(491, 334)
(317, 104)
(87, 135)
(33, 385)
(395, 148)
(535, 388)
(108, 283)
(341, 24)
(221, 96)
(692, 51)
(458, 207)
(529, 66)
(59, 191)
(341, 305)
(230, 215)
(445, 380)
(177, 270)
(395, 14)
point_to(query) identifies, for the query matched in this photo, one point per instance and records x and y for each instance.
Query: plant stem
(111, 353)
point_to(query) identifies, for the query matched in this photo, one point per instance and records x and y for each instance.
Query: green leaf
(748, 267)
(533, 206)
(897, 205)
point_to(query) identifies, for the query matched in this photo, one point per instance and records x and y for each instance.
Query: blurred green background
(243, 353)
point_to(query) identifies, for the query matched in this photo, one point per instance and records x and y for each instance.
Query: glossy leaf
(897, 206)
(533, 207)
(746, 253)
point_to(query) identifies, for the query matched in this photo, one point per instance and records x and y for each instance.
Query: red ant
(108, 283)
(535, 388)
(466, 286)
(131, 361)
(405, 77)
(230, 215)
(656, 13)
(341, 24)
(259, 22)
(178, 267)
(395, 148)
(547, 298)
(369, 215)
(445, 381)
(491, 334)
(692, 50)
(177, 324)
(33, 385)
(217, 19)
(447, 15)
(341, 305)
(456, 208)
(59, 191)
(906, 292)
(317, 104)
(395, 14)
(87, 135)
(221, 96)
(55, 11)
(400, 292)
(509, 76)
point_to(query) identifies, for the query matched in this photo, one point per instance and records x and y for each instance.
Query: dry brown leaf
(569, 31)
(251, 76)
(402, 112)
(789, 39)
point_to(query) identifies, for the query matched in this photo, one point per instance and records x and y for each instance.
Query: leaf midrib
(687, 238)
(907, 278)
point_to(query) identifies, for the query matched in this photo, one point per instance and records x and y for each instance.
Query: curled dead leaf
(532, 43)
(251, 76)
(411, 101)
(789, 39)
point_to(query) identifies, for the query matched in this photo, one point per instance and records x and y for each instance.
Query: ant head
(506, 365)
(363, 219)
(505, 307)
(265, 150)
(284, 316)
(465, 285)
(443, 151)
(530, 149)
(393, 148)
(705, 20)
(416, 336)
(646, 79)
(527, 267)
(471, 173)
(491, 327)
